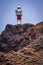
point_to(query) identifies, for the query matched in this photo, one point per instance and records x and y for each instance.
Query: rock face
(18, 36)
(29, 55)
(22, 45)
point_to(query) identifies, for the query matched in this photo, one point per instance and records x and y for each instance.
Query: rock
(22, 45)
(29, 55)
(15, 37)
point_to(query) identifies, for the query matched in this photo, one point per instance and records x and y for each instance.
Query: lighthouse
(19, 14)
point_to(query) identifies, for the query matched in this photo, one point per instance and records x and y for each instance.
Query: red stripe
(18, 17)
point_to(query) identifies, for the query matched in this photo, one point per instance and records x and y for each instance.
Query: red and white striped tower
(19, 14)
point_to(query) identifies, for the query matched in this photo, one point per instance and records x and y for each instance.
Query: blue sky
(32, 12)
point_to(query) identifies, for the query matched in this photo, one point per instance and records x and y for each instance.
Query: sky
(32, 11)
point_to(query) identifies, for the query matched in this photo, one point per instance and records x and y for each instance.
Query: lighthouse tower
(19, 14)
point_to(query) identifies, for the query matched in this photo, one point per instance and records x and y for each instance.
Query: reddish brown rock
(29, 55)
(15, 37)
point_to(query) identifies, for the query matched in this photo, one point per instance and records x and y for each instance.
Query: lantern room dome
(18, 6)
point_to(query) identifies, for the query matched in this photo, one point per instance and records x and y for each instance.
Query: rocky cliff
(18, 36)
(22, 45)
(29, 55)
